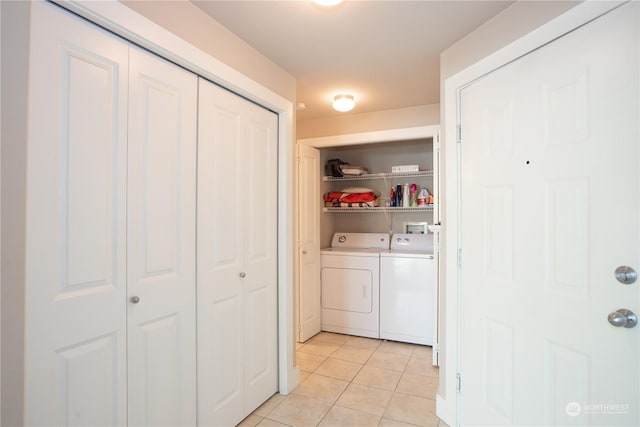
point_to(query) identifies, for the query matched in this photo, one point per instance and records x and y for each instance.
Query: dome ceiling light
(343, 102)
(327, 3)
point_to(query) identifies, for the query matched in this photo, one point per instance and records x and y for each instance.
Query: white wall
(422, 115)
(191, 24)
(15, 29)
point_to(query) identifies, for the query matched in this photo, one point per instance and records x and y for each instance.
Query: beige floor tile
(319, 347)
(418, 385)
(308, 361)
(422, 367)
(362, 342)
(442, 424)
(338, 416)
(377, 377)
(353, 354)
(340, 369)
(392, 385)
(386, 422)
(251, 421)
(270, 423)
(366, 399)
(300, 411)
(423, 352)
(331, 338)
(321, 387)
(397, 347)
(304, 375)
(269, 405)
(413, 410)
(395, 362)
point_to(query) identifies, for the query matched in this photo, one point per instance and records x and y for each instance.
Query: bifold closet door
(161, 242)
(237, 256)
(75, 286)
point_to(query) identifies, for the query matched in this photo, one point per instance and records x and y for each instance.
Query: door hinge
(458, 382)
(460, 258)
(459, 134)
(437, 141)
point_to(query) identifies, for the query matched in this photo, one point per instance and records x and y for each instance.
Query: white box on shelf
(404, 168)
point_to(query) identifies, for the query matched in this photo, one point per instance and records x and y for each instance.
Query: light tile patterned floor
(354, 381)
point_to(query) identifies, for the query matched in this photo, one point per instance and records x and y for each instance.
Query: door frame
(447, 400)
(128, 24)
(375, 137)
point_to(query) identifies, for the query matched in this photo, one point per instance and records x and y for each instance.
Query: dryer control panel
(360, 240)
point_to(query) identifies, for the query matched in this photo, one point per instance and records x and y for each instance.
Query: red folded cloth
(358, 197)
(337, 196)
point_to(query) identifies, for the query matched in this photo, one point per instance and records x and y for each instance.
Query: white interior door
(161, 242)
(260, 255)
(550, 190)
(237, 256)
(220, 304)
(75, 324)
(309, 237)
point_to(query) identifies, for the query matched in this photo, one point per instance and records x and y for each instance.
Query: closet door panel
(260, 255)
(161, 242)
(309, 199)
(220, 303)
(75, 327)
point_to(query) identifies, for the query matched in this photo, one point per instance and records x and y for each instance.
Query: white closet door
(309, 234)
(161, 242)
(220, 303)
(260, 201)
(75, 333)
(237, 223)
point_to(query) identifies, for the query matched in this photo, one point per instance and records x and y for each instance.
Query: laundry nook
(378, 228)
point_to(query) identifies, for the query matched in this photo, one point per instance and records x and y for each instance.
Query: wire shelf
(384, 175)
(427, 208)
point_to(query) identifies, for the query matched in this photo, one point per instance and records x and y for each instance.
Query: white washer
(350, 282)
(407, 289)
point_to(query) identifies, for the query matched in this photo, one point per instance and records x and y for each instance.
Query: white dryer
(407, 289)
(350, 284)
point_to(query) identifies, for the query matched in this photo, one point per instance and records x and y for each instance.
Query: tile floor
(354, 381)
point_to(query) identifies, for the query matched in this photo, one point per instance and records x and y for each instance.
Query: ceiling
(386, 53)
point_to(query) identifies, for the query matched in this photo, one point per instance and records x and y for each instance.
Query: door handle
(243, 274)
(623, 318)
(625, 275)
(135, 299)
(304, 252)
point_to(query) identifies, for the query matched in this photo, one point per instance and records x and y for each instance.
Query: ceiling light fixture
(343, 102)
(327, 3)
